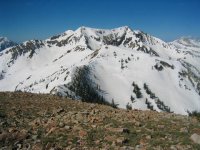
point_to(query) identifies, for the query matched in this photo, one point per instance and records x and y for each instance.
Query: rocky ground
(38, 121)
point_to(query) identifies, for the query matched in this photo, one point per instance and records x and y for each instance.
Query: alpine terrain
(5, 43)
(49, 122)
(121, 66)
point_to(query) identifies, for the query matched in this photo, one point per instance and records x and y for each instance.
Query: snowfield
(120, 65)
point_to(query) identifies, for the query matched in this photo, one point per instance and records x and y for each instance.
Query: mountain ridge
(138, 63)
(6, 43)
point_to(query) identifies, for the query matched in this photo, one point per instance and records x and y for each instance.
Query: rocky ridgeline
(38, 121)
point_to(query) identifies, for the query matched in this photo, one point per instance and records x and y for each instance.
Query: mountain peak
(89, 29)
(2, 37)
(105, 65)
(6, 43)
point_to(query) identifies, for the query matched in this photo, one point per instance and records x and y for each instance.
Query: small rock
(195, 138)
(75, 121)
(148, 137)
(122, 140)
(27, 146)
(110, 138)
(48, 146)
(67, 127)
(82, 133)
(120, 130)
(4, 148)
(17, 145)
(161, 126)
(139, 147)
(58, 116)
(138, 124)
(94, 119)
(93, 126)
(4, 135)
(22, 135)
(51, 130)
(12, 130)
(172, 147)
(97, 141)
(79, 117)
(37, 146)
(60, 110)
(84, 113)
(61, 124)
(125, 130)
(92, 106)
(138, 131)
(94, 111)
(34, 137)
(184, 130)
(127, 148)
(77, 128)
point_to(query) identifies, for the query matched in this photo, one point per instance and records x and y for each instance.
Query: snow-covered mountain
(6, 43)
(121, 65)
(187, 42)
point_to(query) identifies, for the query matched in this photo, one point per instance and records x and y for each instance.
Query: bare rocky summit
(43, 121)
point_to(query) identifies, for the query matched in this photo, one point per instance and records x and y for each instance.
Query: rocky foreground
(38, 121)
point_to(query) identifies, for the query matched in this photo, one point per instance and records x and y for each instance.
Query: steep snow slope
(119, 65)
(188, 49)
(5, 43)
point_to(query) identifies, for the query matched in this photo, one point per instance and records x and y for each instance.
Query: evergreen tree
(128, 106)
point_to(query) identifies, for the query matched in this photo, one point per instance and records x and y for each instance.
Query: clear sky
(22, 20)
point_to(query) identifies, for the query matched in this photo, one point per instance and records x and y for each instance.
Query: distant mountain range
(5, 43)
(119, 66)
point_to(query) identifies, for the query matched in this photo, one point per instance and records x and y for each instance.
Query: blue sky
(39, 19)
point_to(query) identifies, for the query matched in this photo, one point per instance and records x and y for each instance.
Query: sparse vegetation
(128, 106)
(162, 106)
(158, 102)
(149, 105)
(122, 64)
(115, 54)
(132, 99)
(158, 67)
(148, 91)
(84, 87)
(113, 104)
(195, 114)
(137, 90)
(43, 121)
(47, 86)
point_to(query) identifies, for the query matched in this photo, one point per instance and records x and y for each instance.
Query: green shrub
(195, 114)
(128, 106)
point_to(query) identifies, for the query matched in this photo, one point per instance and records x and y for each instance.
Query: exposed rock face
(42, 121)
(22, 49)
(195, 138)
